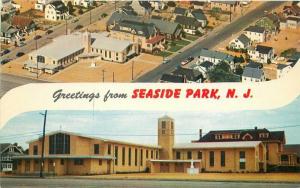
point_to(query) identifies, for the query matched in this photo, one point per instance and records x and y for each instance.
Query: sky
(141, 126)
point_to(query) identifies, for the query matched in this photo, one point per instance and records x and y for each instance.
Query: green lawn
(164, 54)
(191, 37)
(182, 42)
(175, 48)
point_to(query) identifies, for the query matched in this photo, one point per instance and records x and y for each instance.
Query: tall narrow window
(108, 149)
(177, 155)
(211, 158)
(147, 154)
(116, 155)
(59, 144)
(242, 160)
(135, 157)
(96, 148)
(189, 155)
(123, 156)
(222, 158)
(163, 124)
(129, 156)
(141, 157)
(199, 155)
(35, 150)
(151, 154)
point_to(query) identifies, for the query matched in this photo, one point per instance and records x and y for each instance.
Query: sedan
(19, 54)
(5, 51)
(4, 61)
(49, 31)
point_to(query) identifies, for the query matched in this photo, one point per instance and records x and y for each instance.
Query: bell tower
(166, 137)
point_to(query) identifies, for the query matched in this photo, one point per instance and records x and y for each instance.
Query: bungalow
(190, 25)
(170, 30)
(7, 152)
(190, 75)
(282, 70)
(200, 17)
(24, 24)
(178, 11)
(145, 35)
(56, 11)
(171, 78)
(256, 34)
(261, 54)
(8, 32)
(252, 74)
(215, 57)
(241, 42)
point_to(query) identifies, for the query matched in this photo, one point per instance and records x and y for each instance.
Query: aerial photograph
(152, 148)
(147, 41)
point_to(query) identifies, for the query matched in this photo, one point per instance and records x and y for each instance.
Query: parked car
(19, 54)
(78, 27)
(37, 37)
(21, 44)
(49, 31)
(165, 61)
(187, 60)
(4, 61)
(5, 51)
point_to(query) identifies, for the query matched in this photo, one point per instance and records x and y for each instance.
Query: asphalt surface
(88, 183)
(210, 41)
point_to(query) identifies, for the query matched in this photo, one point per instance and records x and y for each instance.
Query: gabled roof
(215, 54)
(172, 78)
(282, 66)
(273, 135)
(59, 6)
(184, 20)
(141, 28)
(5, 26)
(206, 64)
(244, 39)
(263, 49)
(22, 21)
(3, 146)
(164, 26)
(116, 17)
(198, 14)
(255, 29)
(253, 72)
(254, 64)
(189, 74)
(180, 11)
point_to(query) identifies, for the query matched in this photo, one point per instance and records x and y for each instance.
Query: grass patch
(164, 53)
(182, 42)
(175, 48)
(191, 37)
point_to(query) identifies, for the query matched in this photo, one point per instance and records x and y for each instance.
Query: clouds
(141, 126)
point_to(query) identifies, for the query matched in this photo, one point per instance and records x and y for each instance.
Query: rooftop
(255, 29)
(172, 78)
(215, 54)
(210, 145)
(184, 20)
(251, 72)
(263, 49)
(244, 39)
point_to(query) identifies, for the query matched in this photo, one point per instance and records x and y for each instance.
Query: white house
(253, 74)
(158, 5)
(241, 42)
(41, 4)
(204, 67)
(215, 57)
(256, 34)
(56, 11)
(282, 70)
(261, 54)
(7, 151)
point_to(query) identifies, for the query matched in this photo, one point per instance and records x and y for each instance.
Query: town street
(29, 182)
(213, 38)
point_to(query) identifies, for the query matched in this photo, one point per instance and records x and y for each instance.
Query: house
(290, 155)
(190, 25)
(56, 11)
(69, 153)
(198, 4)
(51, 58)
(241, 42)
(293, 22)
(8, 33)
(271, 23)
(170, 30)
(256, 34)
(145, 35)
(282, 70)
(83, 3)
(215, 57)
(178, 11)
(142, 8)
(118, 16)
(24, 24)
(41, 4)
(292, 10)
(204, 67)
(158, 5)
(190, 75)
(273, 141)
(251, 74)
(7, 151)
(226, 6)
(200, 17)
(261, 54)
(171, 78)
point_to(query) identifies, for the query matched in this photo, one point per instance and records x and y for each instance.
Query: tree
(215, 12)
(171, 4)
(239, 70)
(222, 73)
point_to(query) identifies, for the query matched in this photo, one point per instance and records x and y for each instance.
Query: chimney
(200, 133)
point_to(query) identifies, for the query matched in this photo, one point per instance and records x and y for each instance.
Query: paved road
(210, 41)
(72, 183)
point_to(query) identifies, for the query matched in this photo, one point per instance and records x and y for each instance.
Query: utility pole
(43, 146)
(37, 62)
(132, 67)
(66, 27)
(103, 71)
(113, 77)
(115, 5)
(90, 14)
(230, 14)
